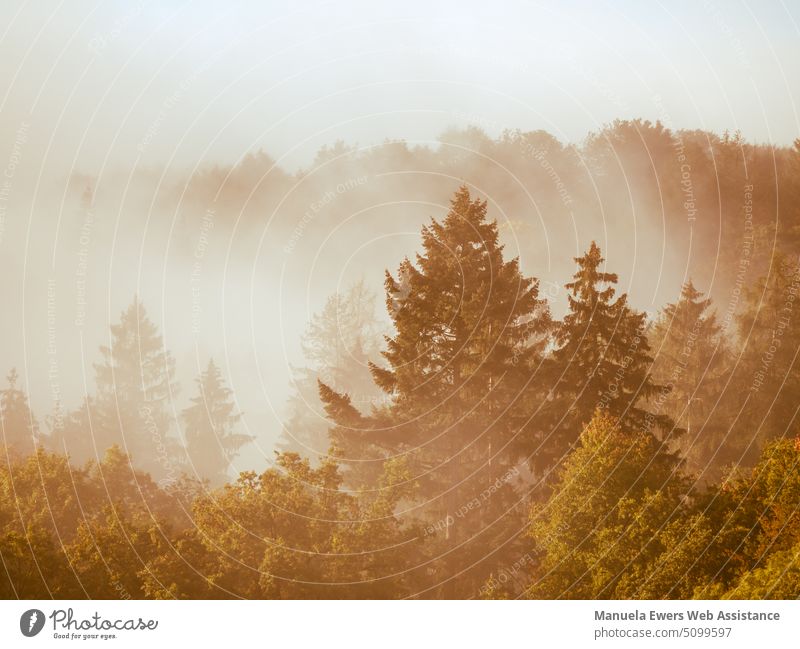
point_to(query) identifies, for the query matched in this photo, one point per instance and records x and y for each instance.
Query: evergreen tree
(601, 361)
(338, 346)
(209, 425)
(76, 434)
(135, 383)
(767, 380)
(690, 359)
(19, 426)
(469, 336)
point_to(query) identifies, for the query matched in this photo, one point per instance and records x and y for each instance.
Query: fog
(234, 167)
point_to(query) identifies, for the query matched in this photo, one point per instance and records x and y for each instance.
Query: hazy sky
(104, 89)
(188, 83)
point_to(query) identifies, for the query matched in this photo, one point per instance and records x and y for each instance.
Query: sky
(100, 91)
(181, 84)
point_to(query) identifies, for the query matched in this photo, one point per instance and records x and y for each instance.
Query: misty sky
(101, 91)
(183, 83)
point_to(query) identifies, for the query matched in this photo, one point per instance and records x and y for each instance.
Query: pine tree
(690, 358)
(209, 425)
(19, 426)
(469, 335)
(601, 361)
(75, 433)
(767, 380)
(338, 345)
(135, 384)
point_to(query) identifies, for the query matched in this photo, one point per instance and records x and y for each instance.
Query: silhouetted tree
(601, 361)
(763, 398)
(338, 345)
(19, 426)
(470, 331)
(135, 383)
(690, 360)
(209, 426)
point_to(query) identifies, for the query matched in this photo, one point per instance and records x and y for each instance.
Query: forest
(487, 437)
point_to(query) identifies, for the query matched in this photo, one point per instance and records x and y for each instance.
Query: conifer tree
(77, 433)
(601, 361)
(20, 430)
(690, 358)
(338, 345)
(209, 427)
(461, 375)
(767, 381)
(135, 383)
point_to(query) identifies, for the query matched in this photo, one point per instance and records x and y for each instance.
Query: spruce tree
(601, 362)
(209, 427)
(339, 343)
(77, 434)
(135, 383)
(690, 358)
(763, 399)
(20, 429)
(461, 378)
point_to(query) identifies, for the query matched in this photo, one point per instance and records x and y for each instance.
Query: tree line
(485, 450)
